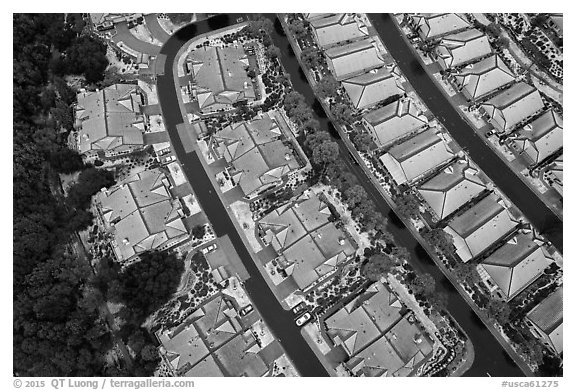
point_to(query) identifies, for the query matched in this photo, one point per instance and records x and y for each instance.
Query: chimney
(342, 241)
(125, 241)
(287, 157)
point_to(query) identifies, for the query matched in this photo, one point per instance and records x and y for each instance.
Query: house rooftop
(514, 104)
(434, 25)
(517, 263)
(485, 76)
(394, 121)
(354, 58)
(409, 341)
(337, 28)
(371, 87)
(542, 137)
(463, 47)
(416, 156)
(450, 189)
(548, 316)
(220, 74)
(480, 226)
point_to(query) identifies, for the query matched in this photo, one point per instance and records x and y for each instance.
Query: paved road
(490, 357)
(123, 34)
(281, 322)
(155, 28)
(515, 189)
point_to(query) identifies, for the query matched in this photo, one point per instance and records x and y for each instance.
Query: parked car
(299, 308)
(209, 248)
(246, 309)
(304, 319)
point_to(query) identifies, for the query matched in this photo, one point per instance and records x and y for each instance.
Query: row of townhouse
(421, 156)
(513, 108)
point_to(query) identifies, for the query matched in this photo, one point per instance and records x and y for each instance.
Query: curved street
(280, 321)
(547, 223)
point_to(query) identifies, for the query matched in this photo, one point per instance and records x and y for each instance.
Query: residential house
(314, 16)
(517, 263)
(354, 58)
(260, 157)
(554, 174)
(416, 156)
(462, 48)
(512, 106)
(219, 77)
(483, 77)
(110, 121)
(142, 215)
(546, 321)
(308, 245)
(378, 339)
(432, 26)
(372, 87)
(479, 227)
(337, 28)
(106, 21)
(540, 138)
(556, 22)
(452, 188)
(394, 121)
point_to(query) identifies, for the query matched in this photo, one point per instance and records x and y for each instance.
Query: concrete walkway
(155, 29)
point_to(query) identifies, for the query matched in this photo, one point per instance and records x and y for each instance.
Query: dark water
(490, 356)
(514, 188)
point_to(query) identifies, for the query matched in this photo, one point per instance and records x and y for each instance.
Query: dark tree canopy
(90, 181)
(377, 266)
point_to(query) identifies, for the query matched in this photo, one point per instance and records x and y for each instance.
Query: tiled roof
(548, 316)
(451, 188)
(337, 28)
(435, 25)
(416, 156)
(371, 88)
(458, 49)
(485, 76)
(517, 263)
(542, 137)
(354, 58)
(479, 227)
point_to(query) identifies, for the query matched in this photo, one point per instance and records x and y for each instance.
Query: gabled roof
(548, 317)
(219, 74)
(513, 105)
(485, 76)
(371, 87)
(314, 16)
(416, 156)
(458, 49)
(354, 58)
(452, 188)
(394, 121)
(517, 263)
(479, 227)
(110, 118)
(542, 137)
(337, 28)
(143, 213)
(435, 25)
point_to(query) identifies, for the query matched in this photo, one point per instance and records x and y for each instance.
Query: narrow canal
(531, 206)
(279, 320)
(490, 356)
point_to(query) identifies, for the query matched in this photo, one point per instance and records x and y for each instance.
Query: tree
(180, 18)
(146, 285)
(539, 20)
(501, 42)
(311, 57)
(198, 231)
(362, 141)
(493, 29)
(423, 284)
(533, 350)
(440, 239)
(87, 56)
(325, 153)
(407, 205)
(298, 28)
(292, 100)
(377, 266)
(355, 195)
(90, 181)
(342, 113)
(498, 310)
(273, 51)
(316, 138)
(401, 253)
(326, 87)
(467, 273)
(66, 160)
(439, 300)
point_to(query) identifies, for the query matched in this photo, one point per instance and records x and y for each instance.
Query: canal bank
(433, 95)
(280, 321)
(490, 357)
